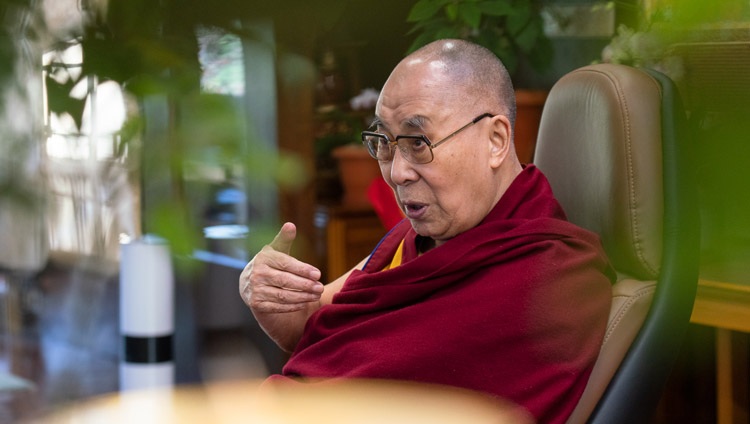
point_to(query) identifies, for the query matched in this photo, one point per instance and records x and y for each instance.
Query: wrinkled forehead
(417, 92)
(419, 73)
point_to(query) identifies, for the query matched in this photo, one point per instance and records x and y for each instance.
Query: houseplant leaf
(434, 30)
(519, 18)
(451, 11)
(541, 55)
(60, 101)
(527, 37)
(495, 7)
(425, 9)
(470, 14)
(509, 28)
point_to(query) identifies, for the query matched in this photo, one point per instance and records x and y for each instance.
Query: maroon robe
(515, 307)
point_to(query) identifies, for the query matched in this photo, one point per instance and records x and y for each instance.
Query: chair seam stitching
(618, 317)
(634, 227)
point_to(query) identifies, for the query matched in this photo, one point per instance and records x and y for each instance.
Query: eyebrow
(416, 122)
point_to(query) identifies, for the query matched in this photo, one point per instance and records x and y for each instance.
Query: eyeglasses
(415, 148)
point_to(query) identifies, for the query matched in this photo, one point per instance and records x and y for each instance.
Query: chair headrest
(600, 146)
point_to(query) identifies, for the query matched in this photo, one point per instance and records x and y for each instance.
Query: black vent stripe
(147, 350)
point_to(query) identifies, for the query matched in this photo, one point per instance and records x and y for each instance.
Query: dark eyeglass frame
(392, 144)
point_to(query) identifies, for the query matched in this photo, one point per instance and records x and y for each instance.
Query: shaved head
(478, 76)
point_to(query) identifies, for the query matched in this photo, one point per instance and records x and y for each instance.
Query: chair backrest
(613, 145)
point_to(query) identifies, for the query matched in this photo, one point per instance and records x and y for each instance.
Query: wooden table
(723, 302)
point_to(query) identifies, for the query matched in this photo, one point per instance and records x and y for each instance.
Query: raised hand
(275, 282)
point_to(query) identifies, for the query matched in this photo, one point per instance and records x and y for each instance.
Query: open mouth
(414, 210)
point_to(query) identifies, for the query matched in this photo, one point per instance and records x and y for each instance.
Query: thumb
(284, 239)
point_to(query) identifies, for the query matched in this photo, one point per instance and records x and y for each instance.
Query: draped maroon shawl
(515, 307)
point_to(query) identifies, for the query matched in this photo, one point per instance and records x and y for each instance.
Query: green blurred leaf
(170, 220)
(109, 59)
(494, 24)
(60, 102)
(211, 120)
(261, 236)
(133, 19)
(421, 40)
(425, 9)
(291, 173)
(15, 192)
(144, 85)
(503, 48)
(432, 31)
(449, 32)
(131, 129)
(451, 11)
(470, 14)
(527, 37)
(418, 27)
(260, 164)
(495, 7)
(519, 19)
(542, 54)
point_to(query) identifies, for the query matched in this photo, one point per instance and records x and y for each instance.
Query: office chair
(613, 144)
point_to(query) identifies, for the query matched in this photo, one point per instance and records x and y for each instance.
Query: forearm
(285, 328)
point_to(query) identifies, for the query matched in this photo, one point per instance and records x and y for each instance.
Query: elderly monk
(484, 285)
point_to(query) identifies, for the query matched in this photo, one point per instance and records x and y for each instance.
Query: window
(92, 203)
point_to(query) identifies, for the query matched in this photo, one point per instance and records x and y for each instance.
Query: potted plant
(339, 141)
(512, 29)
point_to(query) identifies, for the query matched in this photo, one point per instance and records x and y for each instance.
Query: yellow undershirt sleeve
(396, 261)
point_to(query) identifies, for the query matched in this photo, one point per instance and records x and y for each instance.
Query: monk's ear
(499, 139)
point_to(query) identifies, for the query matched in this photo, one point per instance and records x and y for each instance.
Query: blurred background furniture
(350, 234)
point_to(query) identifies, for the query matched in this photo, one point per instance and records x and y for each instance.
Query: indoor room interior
(189, 131)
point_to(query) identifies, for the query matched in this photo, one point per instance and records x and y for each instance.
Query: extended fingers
(266, 288)
(276, 265)
(274, 281)
(282, 296)
(268, 298)
(288, 273)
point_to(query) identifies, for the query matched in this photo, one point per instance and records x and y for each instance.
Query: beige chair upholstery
(600, 145)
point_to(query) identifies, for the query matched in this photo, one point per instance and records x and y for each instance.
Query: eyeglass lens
(414, 149)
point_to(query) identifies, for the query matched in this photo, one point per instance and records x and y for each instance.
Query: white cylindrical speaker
(146, 314)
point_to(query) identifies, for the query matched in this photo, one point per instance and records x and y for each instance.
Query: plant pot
(357, 170)
(529, 105)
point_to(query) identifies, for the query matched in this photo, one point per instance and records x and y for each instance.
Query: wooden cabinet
(350, 234)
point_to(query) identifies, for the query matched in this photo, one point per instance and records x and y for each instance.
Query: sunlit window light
(103, 115)
(220, 57)
(91, 197)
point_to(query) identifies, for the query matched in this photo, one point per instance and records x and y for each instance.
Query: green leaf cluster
(512, 29)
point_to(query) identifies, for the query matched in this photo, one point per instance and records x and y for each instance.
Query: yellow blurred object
(346, 401)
